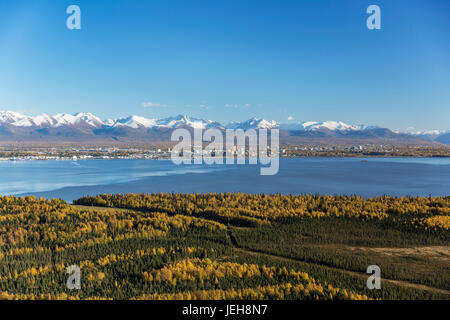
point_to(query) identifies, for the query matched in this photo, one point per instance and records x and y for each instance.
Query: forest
(224, 246)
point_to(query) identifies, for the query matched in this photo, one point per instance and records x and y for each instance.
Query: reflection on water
(366, 177)
(34, 176)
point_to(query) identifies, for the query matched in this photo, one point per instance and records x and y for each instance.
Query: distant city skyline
(286, 61)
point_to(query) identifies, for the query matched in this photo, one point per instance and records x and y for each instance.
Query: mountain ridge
(15, 126)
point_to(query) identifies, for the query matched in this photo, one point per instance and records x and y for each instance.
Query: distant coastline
(160, 153)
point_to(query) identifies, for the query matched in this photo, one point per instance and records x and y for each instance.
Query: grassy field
(231, 246)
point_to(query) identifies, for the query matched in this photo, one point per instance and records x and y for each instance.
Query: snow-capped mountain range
(17, 126)
(88, 119)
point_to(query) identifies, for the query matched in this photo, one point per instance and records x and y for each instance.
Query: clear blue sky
(311, 60)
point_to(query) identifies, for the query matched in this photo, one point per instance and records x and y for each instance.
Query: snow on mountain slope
(64, 119)
(330, 125)
(183, 120)
(170, 123)
(135, 122)
(88, 118)
(10, 117)
(253, 123)
(428, 134)
(42, 120)
(20, 120)
(25, 122)
(45, 121)
(175, 122)
(109, 122)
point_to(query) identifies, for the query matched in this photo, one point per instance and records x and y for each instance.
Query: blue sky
(230, 60)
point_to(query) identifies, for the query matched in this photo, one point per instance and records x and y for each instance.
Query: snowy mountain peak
(253, 123)
(134, 122)
(63, 119)
(427, 132)
(10, 117)
(328, 125)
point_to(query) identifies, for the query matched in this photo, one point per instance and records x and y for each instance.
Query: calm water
(70, 180)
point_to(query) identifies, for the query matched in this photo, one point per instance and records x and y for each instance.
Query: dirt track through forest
(442, 251)
(247, 251)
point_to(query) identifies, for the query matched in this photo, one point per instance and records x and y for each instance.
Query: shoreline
(25, 159)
